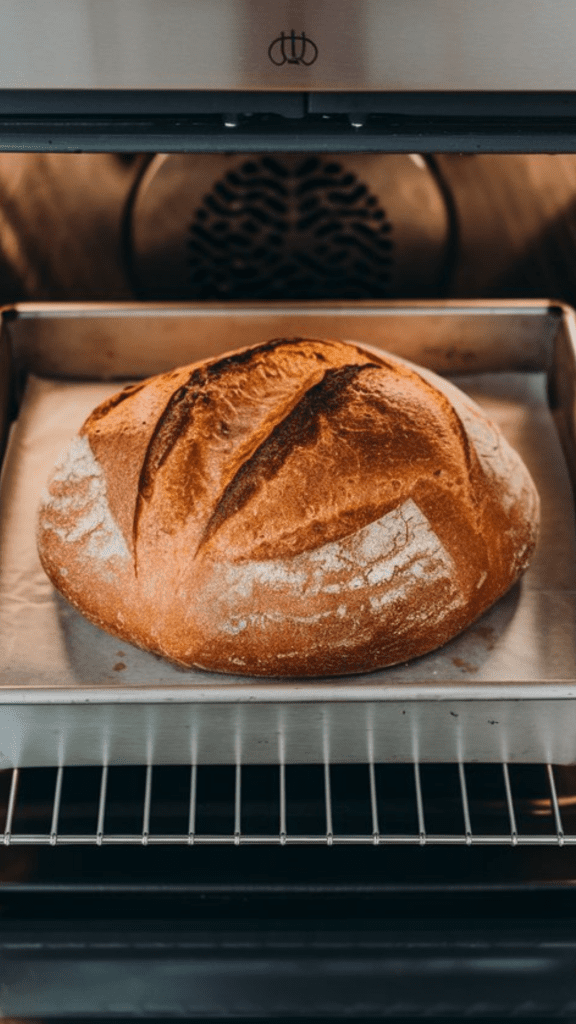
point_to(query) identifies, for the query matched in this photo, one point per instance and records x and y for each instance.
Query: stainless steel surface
(288, 227)
(104, 341)
(508, 805)
(505, 690)
(236, 44)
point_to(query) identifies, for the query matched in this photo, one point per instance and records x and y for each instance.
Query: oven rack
(370, 804)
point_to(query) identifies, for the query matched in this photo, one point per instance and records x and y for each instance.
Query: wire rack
(314, 804)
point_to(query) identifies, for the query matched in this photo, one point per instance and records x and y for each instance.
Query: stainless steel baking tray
(505, 690)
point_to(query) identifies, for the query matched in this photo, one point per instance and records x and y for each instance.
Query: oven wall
(61, 219)
(517, 225)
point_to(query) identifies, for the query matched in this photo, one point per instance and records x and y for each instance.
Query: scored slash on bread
(302, 507)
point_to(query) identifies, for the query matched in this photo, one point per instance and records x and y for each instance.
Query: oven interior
(305, 892)
(287, 891)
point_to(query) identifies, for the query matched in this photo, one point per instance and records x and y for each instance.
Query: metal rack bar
(510, 805)
(374, 803)
(465, 805)
(283, 828)
(56, 806)
(555, 805)
(328, 804)
(420, 805)
(304, 840)
(147, 805)
(192, 805)
(11, 805)
(238, 804)
(102, 805)
(23, 810)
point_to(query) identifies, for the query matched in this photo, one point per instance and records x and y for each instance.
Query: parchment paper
(530, 635)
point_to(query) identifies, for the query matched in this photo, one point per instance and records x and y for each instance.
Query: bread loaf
(299, 508)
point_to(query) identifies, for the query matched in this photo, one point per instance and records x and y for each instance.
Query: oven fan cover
(236, 227)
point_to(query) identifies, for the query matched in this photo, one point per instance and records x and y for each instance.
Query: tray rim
(532, 306)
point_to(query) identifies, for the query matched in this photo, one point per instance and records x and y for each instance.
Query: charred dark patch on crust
(177, 413)
(241, 358)
(170, 425)
(219, 367)
(111, 403)
(299, 429)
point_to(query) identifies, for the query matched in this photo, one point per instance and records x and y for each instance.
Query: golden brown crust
(303, 507)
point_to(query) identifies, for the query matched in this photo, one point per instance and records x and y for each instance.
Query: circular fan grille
(286, 226)
(267, 230)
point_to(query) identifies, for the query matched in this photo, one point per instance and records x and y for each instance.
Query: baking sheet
(505, 690)
(528, 637)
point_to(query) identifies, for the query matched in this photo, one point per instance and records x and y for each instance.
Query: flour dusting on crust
(76, 507)
(498, 459)
(389, 559)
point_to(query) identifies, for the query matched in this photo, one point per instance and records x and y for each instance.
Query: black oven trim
(220, 121)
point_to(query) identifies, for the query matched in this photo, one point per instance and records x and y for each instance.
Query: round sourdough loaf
(302, 507)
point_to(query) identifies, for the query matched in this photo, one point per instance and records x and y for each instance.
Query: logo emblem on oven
(290, 48)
